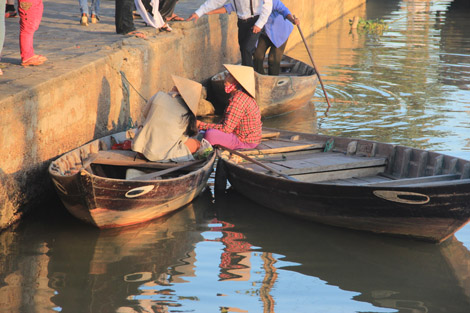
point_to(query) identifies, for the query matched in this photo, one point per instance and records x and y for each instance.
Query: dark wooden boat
(91, 182)
(275, 95)
(356, 184)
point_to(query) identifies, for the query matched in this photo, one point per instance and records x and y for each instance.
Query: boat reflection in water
(125, 262)
(227, 256)
(400, 274)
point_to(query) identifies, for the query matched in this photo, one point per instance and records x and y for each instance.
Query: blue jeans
(95, 7)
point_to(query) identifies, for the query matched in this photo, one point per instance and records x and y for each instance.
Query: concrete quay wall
(58, 111)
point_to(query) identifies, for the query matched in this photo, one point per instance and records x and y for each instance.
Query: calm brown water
(409, 86)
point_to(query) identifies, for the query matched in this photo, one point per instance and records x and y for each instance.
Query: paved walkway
(67, 44)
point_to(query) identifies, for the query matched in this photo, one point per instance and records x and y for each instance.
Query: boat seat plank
(327, 177)
(279, 146)
(325, 162)
(260, 169)
(129, 159)
(269, 134)
(416, 180)
(156, 175)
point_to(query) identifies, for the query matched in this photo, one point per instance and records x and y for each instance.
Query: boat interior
(342, 161)
(289, 67)
(99, 159)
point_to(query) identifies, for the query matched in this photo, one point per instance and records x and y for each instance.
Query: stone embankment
(79, 94)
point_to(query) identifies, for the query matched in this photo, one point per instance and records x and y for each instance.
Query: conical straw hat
(245, 76)
(189, 90)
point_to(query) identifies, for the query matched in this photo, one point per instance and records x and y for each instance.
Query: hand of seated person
(193, 144)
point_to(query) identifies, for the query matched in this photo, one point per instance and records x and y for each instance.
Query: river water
(409, 85)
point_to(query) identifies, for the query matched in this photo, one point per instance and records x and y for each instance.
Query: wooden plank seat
(129, 158)
(276, 145)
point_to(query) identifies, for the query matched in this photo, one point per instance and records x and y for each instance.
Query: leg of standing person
(10, 9)
(83, 12)
(95, 11)
(166, 9)
(30, 18)
(275, 57)
(247, 40)
(2, 28)
(260, 52)
(123, 17)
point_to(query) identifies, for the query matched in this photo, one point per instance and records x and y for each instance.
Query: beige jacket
(161, 137)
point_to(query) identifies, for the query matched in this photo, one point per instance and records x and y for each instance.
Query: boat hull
(275, 95)
(430, 213)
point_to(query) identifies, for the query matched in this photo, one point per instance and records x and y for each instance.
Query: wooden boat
(356, 184)
(275, 95)
(91, 182)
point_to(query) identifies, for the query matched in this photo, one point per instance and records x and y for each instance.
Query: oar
(256, 162)
(313, 63)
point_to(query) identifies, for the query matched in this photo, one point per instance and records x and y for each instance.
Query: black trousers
(166, 8)
(274, 57)
(247, 39)
(123, 16)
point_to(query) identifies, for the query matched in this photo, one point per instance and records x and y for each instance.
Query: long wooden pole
(256, 162)
(313, 63)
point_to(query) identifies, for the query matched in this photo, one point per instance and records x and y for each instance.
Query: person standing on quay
(10, 9)
(30, 18)
(252, 15)
(124, 19)
(274, 37)
(95, 10)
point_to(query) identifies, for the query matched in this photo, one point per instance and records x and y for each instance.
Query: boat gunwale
(206, 165)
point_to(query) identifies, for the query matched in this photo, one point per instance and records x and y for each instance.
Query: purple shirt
(278, 27)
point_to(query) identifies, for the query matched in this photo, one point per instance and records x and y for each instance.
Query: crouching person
(170, 124)
(241, 125)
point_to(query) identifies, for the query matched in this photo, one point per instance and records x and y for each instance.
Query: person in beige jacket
(170, 122)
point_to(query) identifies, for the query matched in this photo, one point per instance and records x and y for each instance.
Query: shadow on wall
(103, 109)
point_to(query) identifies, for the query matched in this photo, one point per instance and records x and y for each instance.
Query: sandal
(165, 28)
(137, 34)
(174, 17)
(34, 60)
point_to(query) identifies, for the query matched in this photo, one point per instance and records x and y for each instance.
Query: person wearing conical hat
(241, 125)
(170, 122)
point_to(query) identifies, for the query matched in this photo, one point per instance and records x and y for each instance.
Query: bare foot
(137, 34)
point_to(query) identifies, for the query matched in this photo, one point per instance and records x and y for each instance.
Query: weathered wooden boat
(275, 95)
(356, 184)
(91, 182)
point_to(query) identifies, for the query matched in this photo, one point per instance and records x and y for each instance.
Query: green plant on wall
(376, 26)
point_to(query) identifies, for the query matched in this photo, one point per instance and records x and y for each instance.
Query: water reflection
(117, 268)
(392, 273)
(227, 256)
